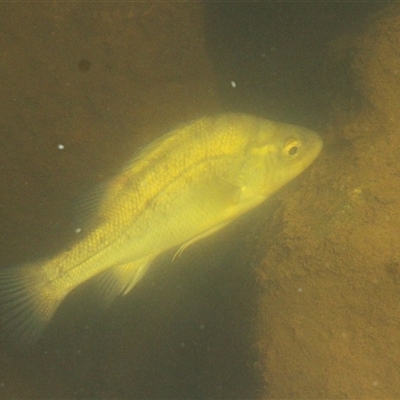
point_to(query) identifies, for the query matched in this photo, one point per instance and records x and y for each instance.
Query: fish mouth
(314, 144)
(318, 145)
(313, 147)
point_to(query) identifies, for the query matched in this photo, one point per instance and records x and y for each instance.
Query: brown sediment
(328, 319)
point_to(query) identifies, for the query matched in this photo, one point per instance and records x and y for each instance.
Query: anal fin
(120, 279)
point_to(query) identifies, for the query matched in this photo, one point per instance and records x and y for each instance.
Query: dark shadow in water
(286, 58)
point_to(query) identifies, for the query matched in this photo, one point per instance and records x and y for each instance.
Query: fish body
(182, 187)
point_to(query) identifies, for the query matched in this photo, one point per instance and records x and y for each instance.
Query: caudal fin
(27, 303)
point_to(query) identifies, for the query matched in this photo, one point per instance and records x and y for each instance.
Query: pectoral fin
(219, 190)
(222, 194)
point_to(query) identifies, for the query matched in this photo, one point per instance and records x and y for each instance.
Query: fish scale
(182, 187)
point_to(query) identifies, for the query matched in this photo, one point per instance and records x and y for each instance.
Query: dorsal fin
(88, 207)
(94, 204)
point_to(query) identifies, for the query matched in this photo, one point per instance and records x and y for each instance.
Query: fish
(177, 190)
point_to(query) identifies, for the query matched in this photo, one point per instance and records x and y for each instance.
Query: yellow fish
(182, 187)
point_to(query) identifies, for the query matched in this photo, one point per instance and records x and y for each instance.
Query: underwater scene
(199, 200)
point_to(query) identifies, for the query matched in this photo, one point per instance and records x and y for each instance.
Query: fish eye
(291, 148)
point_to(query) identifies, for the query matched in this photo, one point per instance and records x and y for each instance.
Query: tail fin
(27, 303)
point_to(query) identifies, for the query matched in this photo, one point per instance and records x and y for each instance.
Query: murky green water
(100, 81)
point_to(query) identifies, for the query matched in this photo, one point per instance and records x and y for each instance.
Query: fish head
(276, 154)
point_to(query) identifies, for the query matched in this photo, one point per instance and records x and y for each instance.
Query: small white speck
(202, 326)
(300, 290)
(78, 230)
(375, 383)
(61, 147)
(233, 84)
